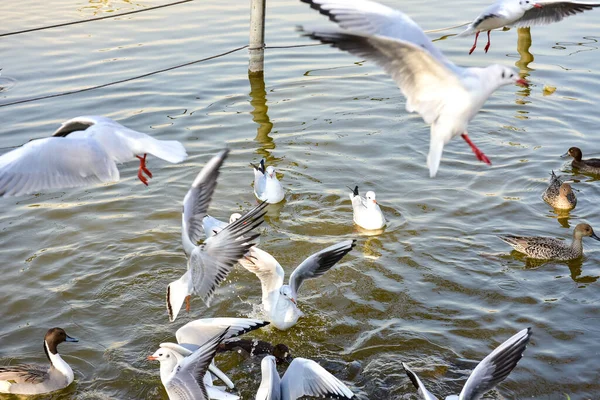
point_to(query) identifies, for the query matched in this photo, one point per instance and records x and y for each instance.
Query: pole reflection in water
(523, 45)
(258, 101)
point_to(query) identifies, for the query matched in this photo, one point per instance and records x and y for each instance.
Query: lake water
(436, 290)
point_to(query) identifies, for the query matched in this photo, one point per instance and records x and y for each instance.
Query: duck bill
(71, 339)
(522, 82)
(594, 236)
(565, 155)
(151, 358)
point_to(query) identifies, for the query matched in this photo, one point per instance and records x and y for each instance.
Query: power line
(93, 19)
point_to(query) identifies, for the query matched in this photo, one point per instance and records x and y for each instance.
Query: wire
(93, 19)
(122, 80)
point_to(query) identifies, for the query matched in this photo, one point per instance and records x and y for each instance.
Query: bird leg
(143, 169)
(187, 303)
(474, 44)
(487, 46)
(478, 153)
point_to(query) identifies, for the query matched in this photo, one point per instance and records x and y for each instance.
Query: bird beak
(536, 5)
(71, 339)
(375, 201)
(271, 175)
(593, 236)
(522, 82)
(293, 301)
(565, 155)
(151, 358)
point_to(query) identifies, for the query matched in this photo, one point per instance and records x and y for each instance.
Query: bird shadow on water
(575, 266)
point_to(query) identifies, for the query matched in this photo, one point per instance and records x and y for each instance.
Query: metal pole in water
(257, 35)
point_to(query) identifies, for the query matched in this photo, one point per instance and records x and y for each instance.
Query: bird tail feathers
(168, 150)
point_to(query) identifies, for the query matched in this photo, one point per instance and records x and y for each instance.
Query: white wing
(55, 163)
(319, 263)
(428, 85)
(210, 263)
(186, 380)
(307, 378)
(211, 225)
(374, 19)
(495, 367)
(426, 394)
(266, 268)
(200, 331)
(270, 384)
(196, 201)
(552, 11)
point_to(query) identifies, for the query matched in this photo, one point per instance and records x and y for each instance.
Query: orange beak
(523, 82)
(151, 358)
(536, 5)
(375, 201)
(293, 301)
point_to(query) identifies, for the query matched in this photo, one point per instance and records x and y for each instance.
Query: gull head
(286, 292)
(168, 361)
(505, 76)
(371, 198)
(271, 171)
(234, 217)
(529, 4)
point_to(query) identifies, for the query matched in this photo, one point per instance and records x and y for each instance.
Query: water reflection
(258, 94)
(108, 6)
(523, 45)
(575, 267)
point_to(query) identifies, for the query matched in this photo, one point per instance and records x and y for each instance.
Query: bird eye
(511, 75)
(168, 355)
(502, 74)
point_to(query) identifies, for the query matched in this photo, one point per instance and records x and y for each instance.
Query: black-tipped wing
(426, 394)
(307, 378)
(552, 11)
(197, 199)
(260, 167)
(210, 263)
(319, 263)
(495, 367)
(200, 331)
(186, 380)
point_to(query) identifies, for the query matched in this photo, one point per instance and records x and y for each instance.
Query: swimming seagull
(192, 336)
(83, 151)
(559, 194)
(302, 378)
(367, 213)
(185, 382)
(279, 300)
(34, 379)
(209, 263)
(492, 370)
(446, 96)
(266, 185)
(546, 248)
(522, 13)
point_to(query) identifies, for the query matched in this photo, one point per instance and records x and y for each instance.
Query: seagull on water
(266, 185)
(35, 379)
(279, 300)
(488, 373)
(186, 379)
(209, 263)
(521, 14)
(83, 151)
(302, 378)
(191, 337)
(367, 213)
(445, 95)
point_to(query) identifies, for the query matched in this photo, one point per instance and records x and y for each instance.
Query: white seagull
(186, 380)
(83, 151)
(367, 213)
(446, 96)
(489, 372)
(279, 300)
(266, 185)
(191, 337)
(302, 378)
(212, 226)
(209, 263)
(522, 13)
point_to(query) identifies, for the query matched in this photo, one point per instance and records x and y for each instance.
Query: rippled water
(436, 290)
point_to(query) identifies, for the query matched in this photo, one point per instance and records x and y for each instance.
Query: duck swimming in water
(591, 165)
(559, 194)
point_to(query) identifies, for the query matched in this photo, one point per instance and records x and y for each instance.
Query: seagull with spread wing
(83, 151)
(209, 263)
(492, 370)
(445, 95)
(521, 14)
(279, 300)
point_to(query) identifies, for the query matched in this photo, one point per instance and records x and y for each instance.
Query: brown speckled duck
(559, 194)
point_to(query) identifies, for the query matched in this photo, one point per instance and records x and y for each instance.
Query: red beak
(151, 358)
(523, 82)
(536, 5)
